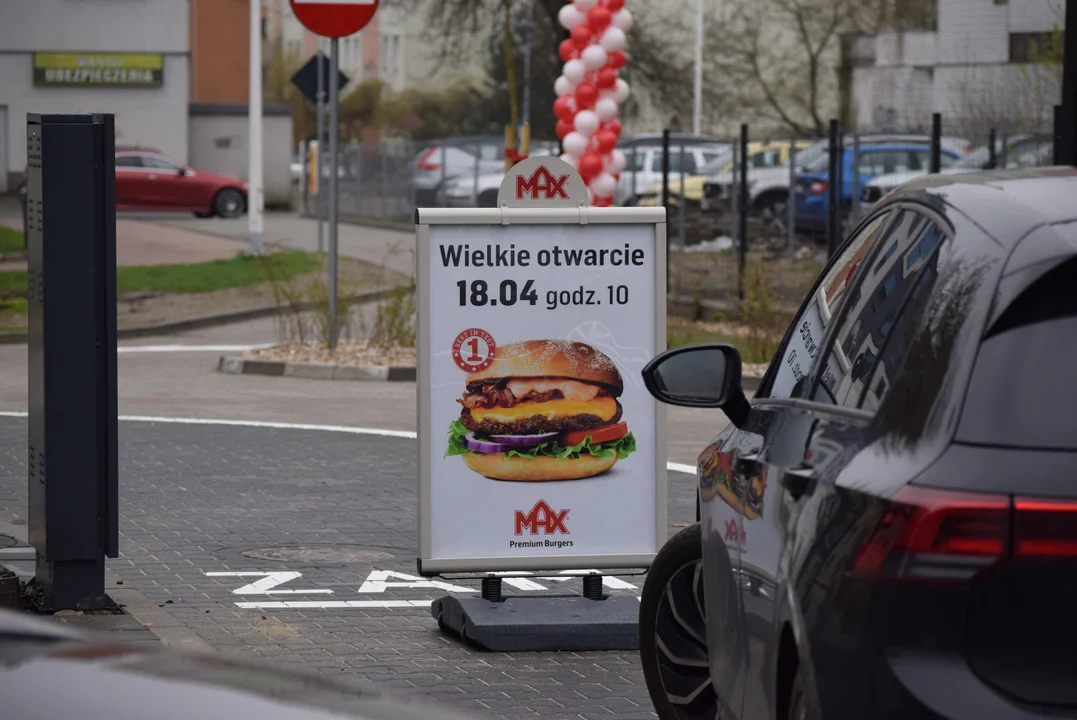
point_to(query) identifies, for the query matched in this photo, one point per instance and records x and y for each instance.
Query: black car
(51, 672)
(889, 528)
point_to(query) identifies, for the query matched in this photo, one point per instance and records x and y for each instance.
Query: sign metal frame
(582, 214)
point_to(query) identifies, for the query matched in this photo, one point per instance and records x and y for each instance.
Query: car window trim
(815, 375)
(815, 407)
(772, 370)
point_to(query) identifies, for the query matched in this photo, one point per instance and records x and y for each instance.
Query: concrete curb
(232, 365)
(207, 321)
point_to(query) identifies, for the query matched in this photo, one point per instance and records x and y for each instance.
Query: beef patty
(536, 424)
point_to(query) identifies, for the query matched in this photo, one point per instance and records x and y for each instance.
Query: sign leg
(334, 162)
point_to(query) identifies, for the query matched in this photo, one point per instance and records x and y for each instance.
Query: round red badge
(474, 350)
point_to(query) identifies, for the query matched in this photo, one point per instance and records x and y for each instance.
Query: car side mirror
(702, 376)
(184, 171)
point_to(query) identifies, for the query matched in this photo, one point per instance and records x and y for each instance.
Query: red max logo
(731, 532)
(542, 182)
(541, 517)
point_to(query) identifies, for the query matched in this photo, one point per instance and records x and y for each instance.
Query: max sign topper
(542, 181)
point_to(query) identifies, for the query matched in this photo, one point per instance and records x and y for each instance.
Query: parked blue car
(875, 160)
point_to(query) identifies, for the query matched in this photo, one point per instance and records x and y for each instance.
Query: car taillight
(928, 534)
(818, 187)
(1044, 528)
(424, 162)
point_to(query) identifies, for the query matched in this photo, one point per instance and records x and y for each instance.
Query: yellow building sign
(101, 69)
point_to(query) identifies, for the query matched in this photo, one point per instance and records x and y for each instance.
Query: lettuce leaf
(622, 447)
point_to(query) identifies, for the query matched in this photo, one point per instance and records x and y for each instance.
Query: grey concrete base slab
(542, 623)
(232, 365)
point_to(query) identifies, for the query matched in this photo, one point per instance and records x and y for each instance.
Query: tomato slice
(608, 433)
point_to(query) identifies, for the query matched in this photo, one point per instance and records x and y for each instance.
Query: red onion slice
(485, 446)
(524, 440)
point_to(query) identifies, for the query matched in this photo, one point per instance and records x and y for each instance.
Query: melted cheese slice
(603, 407)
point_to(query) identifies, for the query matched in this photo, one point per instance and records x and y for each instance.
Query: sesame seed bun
(552, 358)
(499, 466)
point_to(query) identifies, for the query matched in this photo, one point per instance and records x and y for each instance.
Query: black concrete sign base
(540, 623)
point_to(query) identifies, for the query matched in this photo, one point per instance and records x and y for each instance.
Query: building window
(1036, 47)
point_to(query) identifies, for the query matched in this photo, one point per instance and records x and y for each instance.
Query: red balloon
(607, 78)
(615, 5)
(586, 95)
(599, 18)
(616, 60)
(613, 126)
(564, 127)
(605, 141)
(567, 50)
(602, 202)
(590, 166)
(564, 108)
(581, 36)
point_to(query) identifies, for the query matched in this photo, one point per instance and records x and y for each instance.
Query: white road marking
(269, 580)
(123, 349)
(378, 582)
(333, 604)
(409, 434)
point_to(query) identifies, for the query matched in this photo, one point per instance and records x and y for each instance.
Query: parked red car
(148, 180)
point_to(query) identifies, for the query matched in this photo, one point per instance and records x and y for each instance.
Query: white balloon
(606, 108)
(617, 162)
(613, 39)
(586, 5)
(570, 16)
(621, 91)
(575, 144)
(604, 185)
(575, 71)
(586, 123)
(594, 57)
(573, 160)
(622, 20)
(564, 86)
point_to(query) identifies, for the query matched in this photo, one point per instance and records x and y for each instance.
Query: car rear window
(1023, 391)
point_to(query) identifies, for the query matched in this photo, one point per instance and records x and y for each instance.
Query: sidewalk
(142, 243)
(394, 248)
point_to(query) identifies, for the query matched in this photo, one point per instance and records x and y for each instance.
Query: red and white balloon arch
(590, 93)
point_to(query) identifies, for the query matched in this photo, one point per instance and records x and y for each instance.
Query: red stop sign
(334, 18)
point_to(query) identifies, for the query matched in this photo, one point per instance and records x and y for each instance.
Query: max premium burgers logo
(542, 183)
(542, 410)
(540, 519)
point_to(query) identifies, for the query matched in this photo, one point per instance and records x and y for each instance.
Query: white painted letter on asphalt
(376, 582)
(269, 581)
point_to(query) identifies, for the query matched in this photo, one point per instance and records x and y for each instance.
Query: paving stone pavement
(194, 499)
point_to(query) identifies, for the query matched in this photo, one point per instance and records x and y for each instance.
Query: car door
(169, 186)
(814, 437)
(762, 502)
(131, 191)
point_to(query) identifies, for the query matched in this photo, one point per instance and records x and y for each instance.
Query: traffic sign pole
(334, 162)
(320, 196)
(254, 166)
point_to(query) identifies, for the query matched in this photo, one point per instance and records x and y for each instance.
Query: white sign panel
(540, 447)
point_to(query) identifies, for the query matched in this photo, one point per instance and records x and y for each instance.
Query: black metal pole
(992, 151)
(742, 210)
(1069, 87)
(1058, 133)
(833, 214)
(665, 170)
(936, 142)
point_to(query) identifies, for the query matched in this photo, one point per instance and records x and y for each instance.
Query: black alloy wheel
(229, 203)
(673, 632)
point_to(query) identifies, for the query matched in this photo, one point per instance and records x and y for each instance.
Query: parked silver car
(452, 157)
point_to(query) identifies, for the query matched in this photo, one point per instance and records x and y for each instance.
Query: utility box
(72, 464)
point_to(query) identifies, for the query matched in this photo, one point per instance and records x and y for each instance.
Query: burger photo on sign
(543, 410)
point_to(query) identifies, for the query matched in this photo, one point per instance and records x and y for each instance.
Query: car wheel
(800, 706)
(203, 214)
(673, 631)
(229, 203)
(488, 199)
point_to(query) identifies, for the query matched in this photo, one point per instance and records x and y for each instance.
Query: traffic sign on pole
(334, 18)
